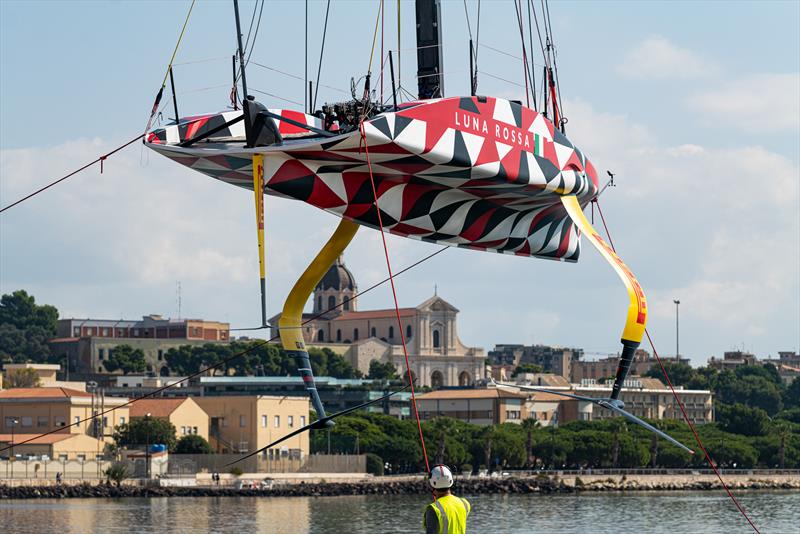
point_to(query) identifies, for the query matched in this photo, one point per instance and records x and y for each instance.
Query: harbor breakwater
(542, 484)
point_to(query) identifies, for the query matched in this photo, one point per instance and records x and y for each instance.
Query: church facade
(437, 356)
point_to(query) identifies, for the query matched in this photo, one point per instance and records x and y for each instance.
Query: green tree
(142, 430)
(26, 328)
(527, 368)
(791, 396)
(679, 373)
(382, 370)
(193, 444)
(529, 426)
(125, 358)
(740, 419)
(750, 388)
(22, 378)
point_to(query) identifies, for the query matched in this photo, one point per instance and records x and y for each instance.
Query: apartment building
(185, 414)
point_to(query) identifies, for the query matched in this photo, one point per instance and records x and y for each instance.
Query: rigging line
(321, 51)
(278, 97)
(509, 54)
(539, 33)
(678, 401)
(206, 60)
(228, 359)
(394, 295)
(250, 28)
(382, 54)
(477, 34)
(296, 77)
(51, 184)
(169, 66)
(469, 27)
(501, 79)
(374, 37)
(533, 70)
(526, 74)
(305, 79)
(255, 36)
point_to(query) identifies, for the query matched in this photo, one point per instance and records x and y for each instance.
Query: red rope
(394, 296)
(101, 159)
(678, 401)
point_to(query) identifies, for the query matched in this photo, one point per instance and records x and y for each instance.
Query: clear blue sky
(694, 104)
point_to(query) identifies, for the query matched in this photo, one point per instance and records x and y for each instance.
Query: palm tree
(529, 425)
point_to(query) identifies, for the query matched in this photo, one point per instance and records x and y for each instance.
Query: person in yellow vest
(448, 513)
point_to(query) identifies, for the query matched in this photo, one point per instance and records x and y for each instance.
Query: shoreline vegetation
(542, 483)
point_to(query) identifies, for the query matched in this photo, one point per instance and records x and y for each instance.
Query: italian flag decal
(538, 147)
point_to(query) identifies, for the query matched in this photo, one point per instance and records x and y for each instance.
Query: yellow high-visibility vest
(452, 512)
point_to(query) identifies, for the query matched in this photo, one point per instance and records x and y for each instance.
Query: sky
(695, 107)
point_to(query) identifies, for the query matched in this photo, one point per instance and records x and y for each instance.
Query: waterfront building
(58, 447)
(86, 344)
(487, 406)
(437, 355)
(45, 409)
(185, 414)
(788, 365)
(242, 424)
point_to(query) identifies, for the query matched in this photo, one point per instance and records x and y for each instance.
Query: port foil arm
(636, 319)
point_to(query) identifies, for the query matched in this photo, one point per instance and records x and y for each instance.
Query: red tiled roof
(155, 407)
(63, 339)
(373, 314)
(36, 439)
(42, 393)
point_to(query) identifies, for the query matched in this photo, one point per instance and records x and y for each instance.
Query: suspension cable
(100, 160)
(394, 296)
(678, 401)
(321, 51)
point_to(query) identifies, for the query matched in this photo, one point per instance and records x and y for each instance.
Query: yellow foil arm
(258, 191)
(637, 308)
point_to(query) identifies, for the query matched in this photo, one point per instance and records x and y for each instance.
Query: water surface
(667, 513)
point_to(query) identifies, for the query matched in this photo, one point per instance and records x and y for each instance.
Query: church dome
(338, 278)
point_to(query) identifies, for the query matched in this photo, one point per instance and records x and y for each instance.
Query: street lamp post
(677, 329)
(12, 458)
(147, 446)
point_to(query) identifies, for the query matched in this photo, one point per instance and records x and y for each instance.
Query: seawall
(544, 484)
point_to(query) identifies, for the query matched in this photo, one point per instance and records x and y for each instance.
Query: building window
(373, 332)
(122, 420)
(321, 336)
(104, 332)
(391, 332)
(302, 420)
(77, 419)
(160, 354)
(27, 421)
(194, 430)
(277, 421)
(100, 353)
(355, 334)
(60, 420)
(263, 421)
(346, 304)
(319, 303)
(339, 335)
(76, 331)
(242, 421)
(436, 342)
(42, 420)
(10, 422)
(183, 431)
(331, 302)
(408, 331)
(290, 421)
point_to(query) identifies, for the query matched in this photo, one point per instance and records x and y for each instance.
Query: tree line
(605, 443)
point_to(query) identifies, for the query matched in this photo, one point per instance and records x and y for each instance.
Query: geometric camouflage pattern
(476, 172)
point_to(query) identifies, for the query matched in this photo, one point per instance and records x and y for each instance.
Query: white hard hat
(440, 477)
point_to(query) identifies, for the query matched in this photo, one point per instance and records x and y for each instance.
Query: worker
(447, 514)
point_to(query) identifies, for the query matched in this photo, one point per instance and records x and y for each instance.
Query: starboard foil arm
(290, 326)
(613, 405)
(636, 318)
